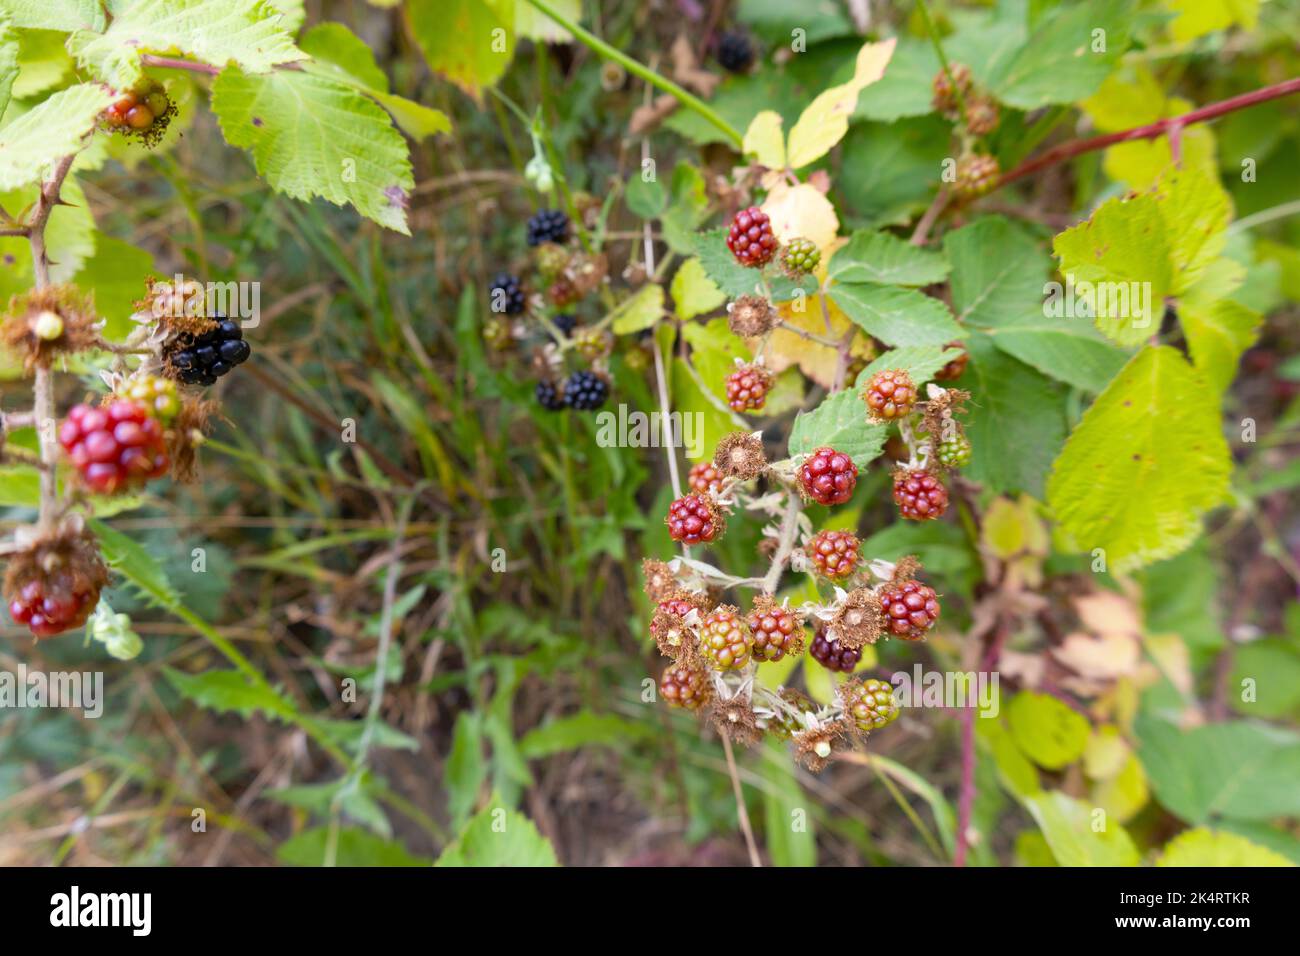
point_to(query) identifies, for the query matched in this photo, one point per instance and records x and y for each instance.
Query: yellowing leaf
(1147, 460)
(694, 293)
(639, 312)
(1199, 17)
(786, 348)
(802, 211)
(826, 120)
(765, 140)
(1203, 847)
(471, 42)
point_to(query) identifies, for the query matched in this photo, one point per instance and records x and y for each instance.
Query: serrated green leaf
(694, 293)
(687, 208)
(1242, 771)
(1017, 421)
(1049, 732)
(129, 558)
(640, 311)
(1070, 52)
(906, 88)
(731, 277)
(882, 258)
(841, 423)
(8, 62)
(498, 836)
(31, 144)
(645, 197)
(43, 63)
(470, 42)
(919, 361)
(1217, 335)
(895, 315)
(65, 15)
(228, 691)
(314, 136)
(1069, 826)
(1147, 460)
(247, 33)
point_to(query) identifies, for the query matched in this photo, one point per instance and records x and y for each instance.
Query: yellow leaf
(786, 348)
(765, 140)
(826, 120)
(802, 211)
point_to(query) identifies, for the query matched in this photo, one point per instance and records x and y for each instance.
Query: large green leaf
(228, 691)
(1217, 334)
(1048, 731)
(470, 42)
(885, 259)
(8, 63)
(1076, 835)
(1242, 771)
(1145, 463)
(895, 315)
(31, 144)
(312, 135)
(248, 33)
(998, 284)
(65, 15)
(1017, 421)
(841, 423)
(115, 273)
(497, 836)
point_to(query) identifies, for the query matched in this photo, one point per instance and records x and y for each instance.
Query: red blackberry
(750, 238)
(889, 394)
(145, 111)
(686, 687)
(53, 585)
(919, 495)
(549, 225)
(747, 388)
(800, 257)
(585, 391)
(832, 656)
(114, 448)
(549, 395)
(694, 520)
(870, 705)
(982, 115)
(725, 641)
(735, 51)
(202, 359)
(506, 294)
(910, 609)
(776, 630)
(828, 477)
(834, 553)
(705, 478)
(954, 368)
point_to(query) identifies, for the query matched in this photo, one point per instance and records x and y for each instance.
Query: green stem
(640, 70)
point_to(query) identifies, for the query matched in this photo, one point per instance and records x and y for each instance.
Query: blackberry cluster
(735, 51)
(747, 388)
(871, 705)
(828, 477)
(977, 174)
(834, 553)
(549, 225)
(955, 450)
(566, 322)
(832, 655)
(116, 447)
(507, 290)
(800, 257)
(549, 395)
(585, 390)
(686, 687)
(890, 394)
(776, 632)
(692, 519)
(750, 238)
(919, 495)
(910, 609)
(202, 359)
(725, 639)
(705, 478)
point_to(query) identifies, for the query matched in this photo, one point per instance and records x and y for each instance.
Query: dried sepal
(751, 316)
(858, 620)
(186, 434)
(814, 747)
(736, 719)
(740, 455)
(44, 324)
(659, 579)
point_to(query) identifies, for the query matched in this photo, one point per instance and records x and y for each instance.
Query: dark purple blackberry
(585, 390)
(549, 395)
(735, 52)
(549, 225)
(566, 322)
(506, 294)
(833, 657)
(202, 359)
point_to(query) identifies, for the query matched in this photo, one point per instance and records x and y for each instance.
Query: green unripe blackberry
(977, 174)
(800, 257)
(955, 450)
(871, 705)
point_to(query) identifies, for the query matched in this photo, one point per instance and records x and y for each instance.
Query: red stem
(1152, 130)
(966, 796)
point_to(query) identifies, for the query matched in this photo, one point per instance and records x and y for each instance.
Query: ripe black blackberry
(566, 322)
(506, 294)
(202, 359)
(549, 395)
(549, 225)
(735, 51)
(832, 655)
(585, 390)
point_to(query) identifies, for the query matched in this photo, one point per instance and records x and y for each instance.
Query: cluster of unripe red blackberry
(144, 113)
(958, 99)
